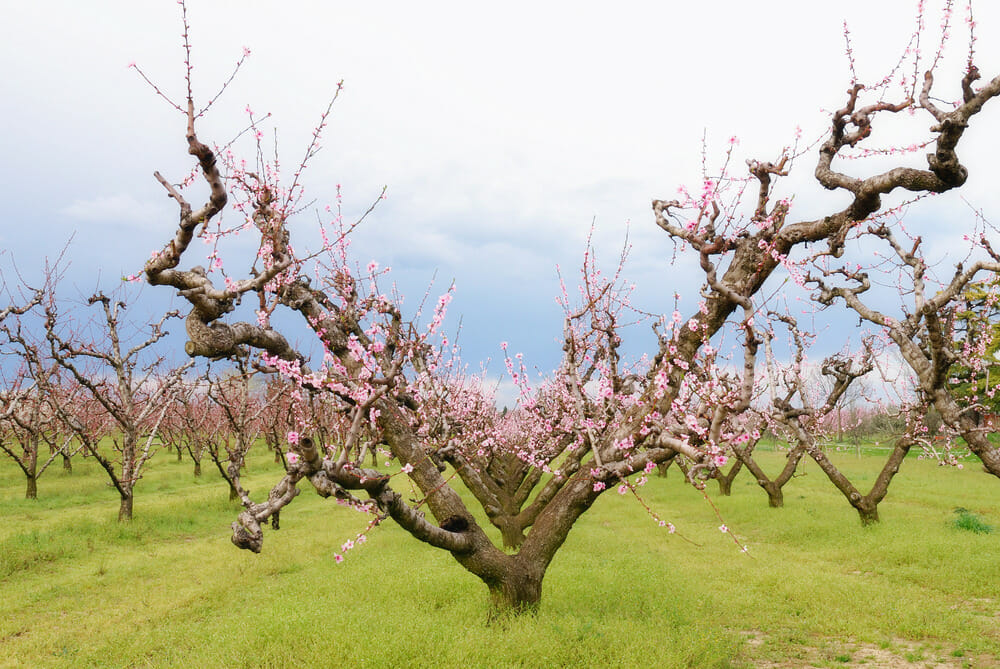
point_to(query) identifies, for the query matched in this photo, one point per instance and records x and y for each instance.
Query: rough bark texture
(125, 508)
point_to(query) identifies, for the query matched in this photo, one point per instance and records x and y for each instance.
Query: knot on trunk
(455, 524)
(247, 533)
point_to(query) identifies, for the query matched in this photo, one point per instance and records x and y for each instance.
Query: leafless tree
(132, 390)
(238, 411)
(32, 387)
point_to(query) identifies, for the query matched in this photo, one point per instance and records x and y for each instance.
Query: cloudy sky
(502, 131)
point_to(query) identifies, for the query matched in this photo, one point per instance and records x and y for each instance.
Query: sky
(502, 133)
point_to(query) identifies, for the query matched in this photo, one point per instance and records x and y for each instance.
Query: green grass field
(920, 589)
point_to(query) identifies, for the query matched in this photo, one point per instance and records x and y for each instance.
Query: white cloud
(501, 131)
(117, 209)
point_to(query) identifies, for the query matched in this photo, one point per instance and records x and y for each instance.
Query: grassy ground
(77, 589)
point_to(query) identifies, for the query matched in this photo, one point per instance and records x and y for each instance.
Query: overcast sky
(502, 131)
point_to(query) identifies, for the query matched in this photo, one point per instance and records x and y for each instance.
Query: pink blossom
(622, 489)
(292, 457)
(599, 486)
(293, 437)
(407, 468)
(338, 558)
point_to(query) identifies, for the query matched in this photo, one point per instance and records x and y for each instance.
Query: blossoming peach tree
(393, 385)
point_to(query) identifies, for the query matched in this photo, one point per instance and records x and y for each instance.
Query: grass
(79, 590)
(971, 522)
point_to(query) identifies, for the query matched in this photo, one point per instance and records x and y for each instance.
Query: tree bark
(519, 592)
(512, 534)
(975, 436)
(725, 486)
(726, 480)
(125, 510)
(775, 496)
(868, 513)
(32, 490)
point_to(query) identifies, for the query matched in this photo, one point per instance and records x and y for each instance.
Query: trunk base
(869, 516)
(725, 487)
(517, 595)
(513, 535)
(125, 510)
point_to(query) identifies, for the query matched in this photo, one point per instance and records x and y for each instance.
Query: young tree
(237, 423)
(133, 392)
(381, 369)
(187, 422)
(32, 389)
(30, 420)
(281, 415)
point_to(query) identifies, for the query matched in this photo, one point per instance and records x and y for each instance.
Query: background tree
(32, 387)
(923, 330)
(30, 424)
(132, 389)
(976, 375)
(236, 423)
(187, 421)
(282, 414)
